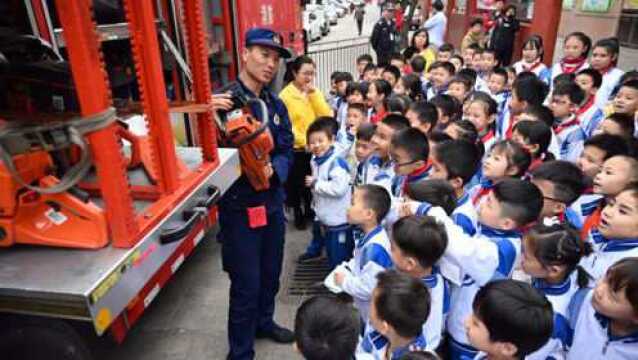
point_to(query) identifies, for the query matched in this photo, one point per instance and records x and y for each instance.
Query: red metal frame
(94, 96)
(40, 19)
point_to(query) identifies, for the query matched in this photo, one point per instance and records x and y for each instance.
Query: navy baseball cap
(268, 38)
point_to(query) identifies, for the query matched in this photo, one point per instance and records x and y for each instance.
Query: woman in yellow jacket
(420, 44)
(305, 103)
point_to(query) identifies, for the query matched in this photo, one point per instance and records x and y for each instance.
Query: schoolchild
(589, 113)
(330, 186)
(575, 49)
(400, 306)
(566, 99)
(510, 320)
(605, 319)
(604, 59)
(456, 162)
(357, 277)
(417, 245)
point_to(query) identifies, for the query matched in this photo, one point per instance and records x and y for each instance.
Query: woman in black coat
(504, 35)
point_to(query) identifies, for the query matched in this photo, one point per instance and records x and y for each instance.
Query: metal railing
(338, 55)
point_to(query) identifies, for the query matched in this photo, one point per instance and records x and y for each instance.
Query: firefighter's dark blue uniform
(253, 257)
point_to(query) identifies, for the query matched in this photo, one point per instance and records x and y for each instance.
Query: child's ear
(492, 118)
(411, 263)
(533, 148)
(558, 208)
(507, 349)
(512, 170)
(456, 182)
(556, 270)
(508, 224)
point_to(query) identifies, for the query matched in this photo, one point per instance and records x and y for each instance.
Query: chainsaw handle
(214, 194)
(264, 122)
(171, 235)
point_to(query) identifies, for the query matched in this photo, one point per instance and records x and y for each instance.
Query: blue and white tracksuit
(571, 139)
(465, 214)
(583, 207)
(606, 253)
(378, 172)
(610, 80)
(592, 339)
(330, 200)
(374, 346)
(489, 255)
(434, 326)
(371, 256)
(560, 296)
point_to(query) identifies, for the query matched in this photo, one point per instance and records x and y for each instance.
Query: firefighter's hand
(309, 181)
(269, 171)
(222, 101)
(339, 276)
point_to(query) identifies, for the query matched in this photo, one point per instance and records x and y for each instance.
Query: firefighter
(252, 223)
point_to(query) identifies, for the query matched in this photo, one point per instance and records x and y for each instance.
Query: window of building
(628, 28)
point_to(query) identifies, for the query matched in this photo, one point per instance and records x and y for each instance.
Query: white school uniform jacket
(371, 256)
(541, 70)
(610, 80)
(571, 138)
(374, 346)
(591, 338)
(582, 208)
(378, 172)
(560, 296)
(331, 191)
(434, 326)
(465, 214)
(489, 255)
(606, 253)
(502, 100)
(590, 115)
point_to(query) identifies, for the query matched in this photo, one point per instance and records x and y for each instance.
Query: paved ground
(188, 318)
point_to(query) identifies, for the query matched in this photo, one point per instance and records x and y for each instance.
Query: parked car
(339, 6)
(312, 26)
(332, 14)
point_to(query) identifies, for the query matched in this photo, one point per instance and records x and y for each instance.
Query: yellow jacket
(303, 110)
(430, 57)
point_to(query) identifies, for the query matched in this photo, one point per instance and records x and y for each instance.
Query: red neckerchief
(536, 163)
(377, 117)
(574, 121)
(570, 66)
(510, 127)
(586, 106)
(591, 222)
(479, 195)
(531, 67)
(487, 137)
(420, 171)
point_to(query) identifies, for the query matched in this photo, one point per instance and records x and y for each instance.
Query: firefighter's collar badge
(276, 120)
(276, 39)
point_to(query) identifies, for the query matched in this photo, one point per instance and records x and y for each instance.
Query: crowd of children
(476, 211)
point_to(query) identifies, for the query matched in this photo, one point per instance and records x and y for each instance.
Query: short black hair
(626, 122)
(418, 64)
(402, 301)
(447, 47)
(426, 112)
(343, 76)
(324, 124)
(468, 73)
(365, 57)
(594, 75)
(438, 136)
(575, 94)
(502, 72)
(358, 107)
(541, 113)
(398, 103)
(412, 83)
(396, 122)
(531, 90)
(476, 47)
(397, 56)
(326, 328)
(633, 84)
(377, 199)
(515, 312)
(393, 70)
(422, 238)
(366, 131)
(612, 145)
(521, 200)
(449, 106)
(468, 131)
(490, 106)
(382, 87)
(438, 5)
(370, 67)
(361, 87)
(464, 80)
(461, 158)
(536, 133)
(459, 58)
(446, 65)
(567, 178)
(623, 276)
(436, 192)
(583, 38)
(475, 21)
(413, 142)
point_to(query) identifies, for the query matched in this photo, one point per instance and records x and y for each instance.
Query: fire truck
(110, 170)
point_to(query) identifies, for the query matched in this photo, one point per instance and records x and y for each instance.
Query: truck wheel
(35, 338)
